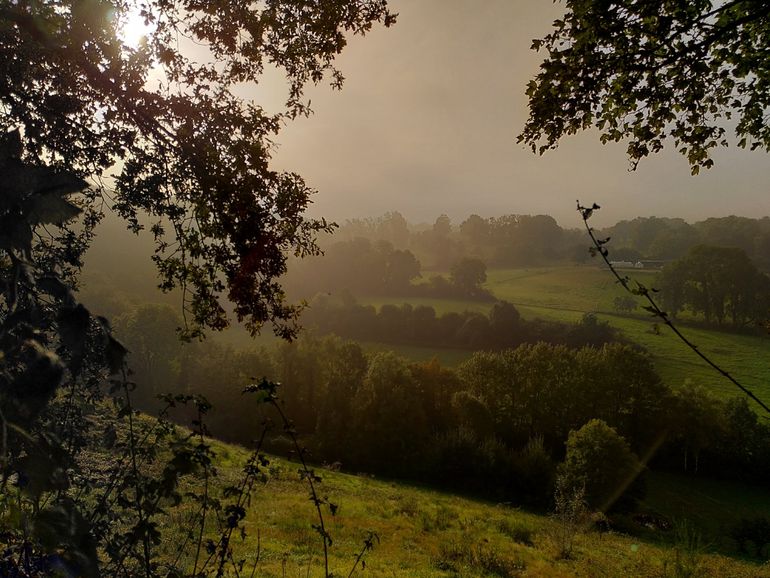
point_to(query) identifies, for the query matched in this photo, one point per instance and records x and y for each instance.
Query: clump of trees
(537, 240)
(360, 265)
(718, 283)
(504, 241)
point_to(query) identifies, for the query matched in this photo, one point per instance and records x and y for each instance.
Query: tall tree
(644, 72)
(187, 149)
(468, 275)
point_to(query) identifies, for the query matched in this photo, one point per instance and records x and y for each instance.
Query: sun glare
(132, 28)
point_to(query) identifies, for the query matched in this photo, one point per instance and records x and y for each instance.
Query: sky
(427, 120)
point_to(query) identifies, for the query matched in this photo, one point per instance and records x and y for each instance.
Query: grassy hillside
(425, 533)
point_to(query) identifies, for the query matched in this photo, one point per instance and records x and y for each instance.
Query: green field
(425, 533)
(586, 288)
(566, 293)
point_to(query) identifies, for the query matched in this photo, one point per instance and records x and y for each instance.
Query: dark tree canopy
(720, 283)
(186, 148)
(469, 274)
(645, 72)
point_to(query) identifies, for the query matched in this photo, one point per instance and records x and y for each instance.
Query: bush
(460, 460)
(516, 531)
(535, 474)
(570, 514)
(599, 460)
(753, 537)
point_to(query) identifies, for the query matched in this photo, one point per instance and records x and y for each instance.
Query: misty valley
(516, 383)
(300, 288)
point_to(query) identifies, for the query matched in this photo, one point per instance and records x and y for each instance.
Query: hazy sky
(427, 122)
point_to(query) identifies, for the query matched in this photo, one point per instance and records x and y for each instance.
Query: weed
(458, 556)
(687, 552)
(570, 514)
(492, 562)
(409, 506)
(442, 520)
(516, 531)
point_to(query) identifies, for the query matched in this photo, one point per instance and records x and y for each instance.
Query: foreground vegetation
(424, 533)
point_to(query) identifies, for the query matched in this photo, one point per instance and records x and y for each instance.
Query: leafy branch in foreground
(188, 152)
(600, 247)
(645, 73)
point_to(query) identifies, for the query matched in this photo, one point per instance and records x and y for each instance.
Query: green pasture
(426, 533)
(564, 294)
(584, 288)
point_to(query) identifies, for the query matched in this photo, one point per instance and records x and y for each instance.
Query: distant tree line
(505, 241)
(502, 328)
(537, 240)
(365, 267)
(498, 425)
(666, 239)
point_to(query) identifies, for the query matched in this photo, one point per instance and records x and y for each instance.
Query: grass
(712, 506)
(584, 288)
(424, 533)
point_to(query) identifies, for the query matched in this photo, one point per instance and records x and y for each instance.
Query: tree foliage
(719, 283)
(185, 147)
(600, 460)
(469, 274)
(644, 72)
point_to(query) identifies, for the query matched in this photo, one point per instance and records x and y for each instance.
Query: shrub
(599, 460)
(535, 474)
(754, 533)
(516, 531)
(570, 514)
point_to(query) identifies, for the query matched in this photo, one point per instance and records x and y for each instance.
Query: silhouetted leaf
(51, 208)
(115, 354)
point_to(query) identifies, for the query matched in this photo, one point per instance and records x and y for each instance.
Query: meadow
(427, 533)
(567, 293)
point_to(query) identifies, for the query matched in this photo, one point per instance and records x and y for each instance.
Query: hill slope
(426, 533)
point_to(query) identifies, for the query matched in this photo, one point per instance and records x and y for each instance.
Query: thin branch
(367, 547)
(654, 308)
